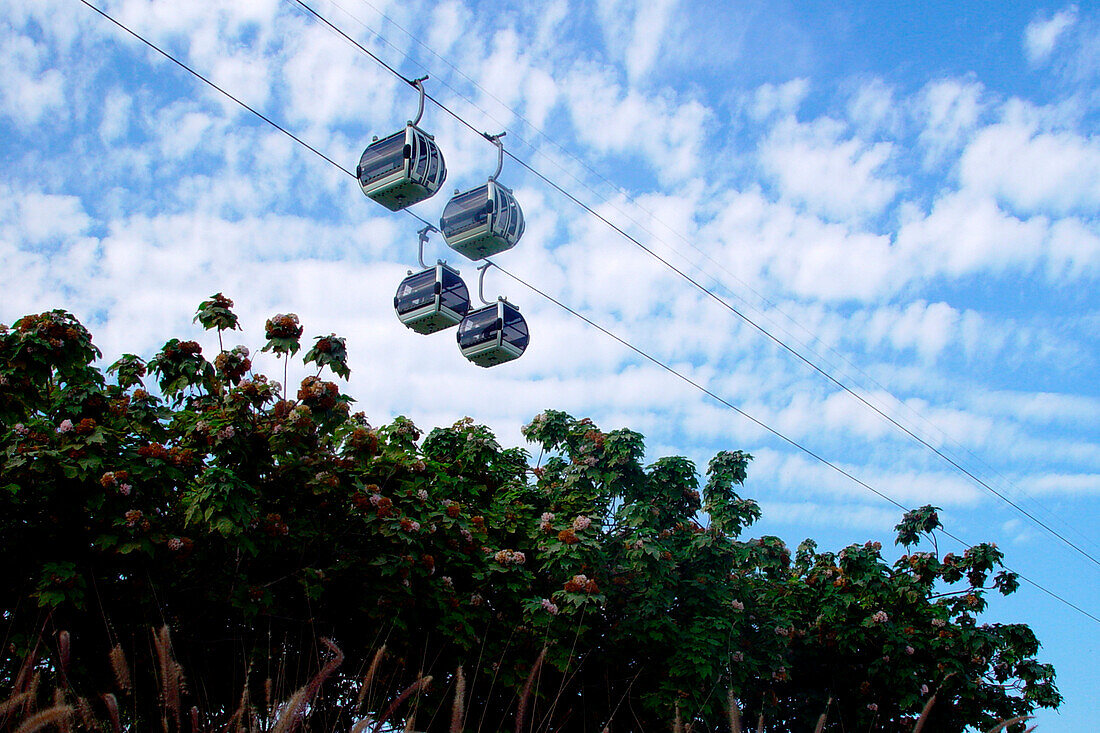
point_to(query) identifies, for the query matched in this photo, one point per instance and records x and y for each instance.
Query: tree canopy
(586, 592)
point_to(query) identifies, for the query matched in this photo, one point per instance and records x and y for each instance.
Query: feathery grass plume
(8, 706)
(521, 714)
(824, 716)
(677, 725)
(87, 715)
(111, 703)
(368, 680)
(361, 725)
(928, 706)
(267, 695)
(26, 671)
(1011, 721)
(760, 723)
(169, 675)
(120, 668)
(58, 715)
(194, 719)
(422, 682)
(734, 712)
(294, 712)
(64, 655)
(458, 709)
(235, 719)
(64, 725)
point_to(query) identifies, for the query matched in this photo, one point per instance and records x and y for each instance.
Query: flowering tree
(589, 591)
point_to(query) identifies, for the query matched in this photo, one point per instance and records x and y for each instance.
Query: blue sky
(907, 196)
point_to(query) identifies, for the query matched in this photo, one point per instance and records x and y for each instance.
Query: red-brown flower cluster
(153, 450)
(282, 326)
(318, 394)
(453, 510)
(568, 536)
(384, 507)
(581, 584)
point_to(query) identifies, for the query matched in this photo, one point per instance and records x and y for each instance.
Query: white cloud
(778, 99)
(29, 88)
(950, 110)
(816, 165)
(1042, 34)
(1033, 170)
(965, 234)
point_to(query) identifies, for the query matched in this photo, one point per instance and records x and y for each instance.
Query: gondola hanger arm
(481, 282)
(419, 84)
(420, 249)
(495, 140)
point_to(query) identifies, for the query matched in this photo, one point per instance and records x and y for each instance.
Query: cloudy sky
(909, 198)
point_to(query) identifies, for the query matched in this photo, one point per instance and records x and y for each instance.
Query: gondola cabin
(482, 222)
(432, 299)
(402, 169)
(493, 335)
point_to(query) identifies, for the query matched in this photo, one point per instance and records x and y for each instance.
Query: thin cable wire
(723, 302)
(582, 317)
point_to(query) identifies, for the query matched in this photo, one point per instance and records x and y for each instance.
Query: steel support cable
(721, 301)
(579, 315)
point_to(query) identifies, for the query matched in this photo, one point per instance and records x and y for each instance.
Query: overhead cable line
(717, 298)
(579, 315)
(702, 252)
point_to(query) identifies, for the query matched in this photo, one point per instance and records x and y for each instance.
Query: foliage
(255, 525)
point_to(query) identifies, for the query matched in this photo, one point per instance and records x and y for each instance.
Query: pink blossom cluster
(550, 607)
(880, 617)
(581, 523)
(737, 605)
(545, 521)
(21, 429)
(738, 656)
(510, 557)
(873, 707)
(910, 650)
(375, 498)
(422, 494)
(175, 544)
(939, 623)
(65, 426)
(226, 433)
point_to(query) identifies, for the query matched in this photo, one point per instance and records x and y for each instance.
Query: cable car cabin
(402, 169)
(482, 222)
(432, 299)
(493, 335)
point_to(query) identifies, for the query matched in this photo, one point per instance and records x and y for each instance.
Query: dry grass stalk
(422, 682)
(65, 725)
(1011, 721)
(760, 723)
(194, 719)
(677, 725)
(458, 709)
(368, 680)
(58, 715)
(112, 712)
(121, 669)
(521, 714)
(734, 712)
(239, 713)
